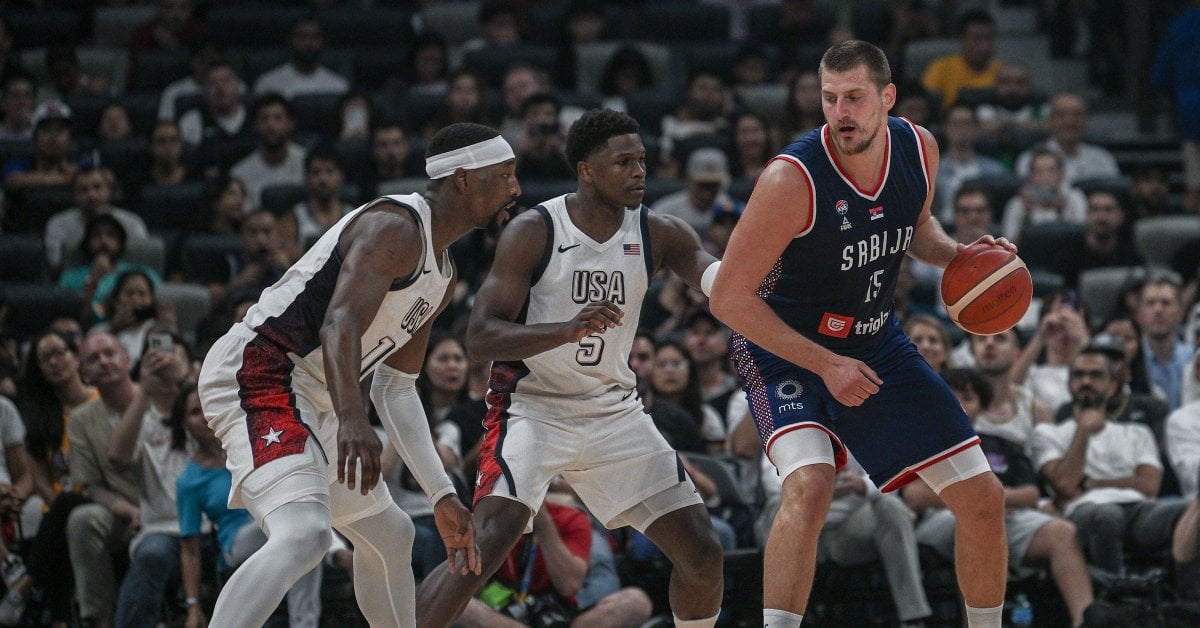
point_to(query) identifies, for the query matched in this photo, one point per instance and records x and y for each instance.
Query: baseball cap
(51, 110)
(1107, 343)
(708, 165)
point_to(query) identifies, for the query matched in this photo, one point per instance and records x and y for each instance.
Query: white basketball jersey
(291, 312)
(592, 377)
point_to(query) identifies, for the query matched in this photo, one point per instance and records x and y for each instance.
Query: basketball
(986, 289)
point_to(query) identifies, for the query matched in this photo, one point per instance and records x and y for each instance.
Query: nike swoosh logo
(626, 395)
(564, 249)
(426, 271)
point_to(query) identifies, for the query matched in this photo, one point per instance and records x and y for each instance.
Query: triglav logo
(835, 325)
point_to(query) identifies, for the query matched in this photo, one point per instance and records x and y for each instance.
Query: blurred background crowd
(164, 161)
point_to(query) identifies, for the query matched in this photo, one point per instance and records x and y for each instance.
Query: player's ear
(889, 96)
(461, 180)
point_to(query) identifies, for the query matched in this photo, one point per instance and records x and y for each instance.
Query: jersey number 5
(591, 349)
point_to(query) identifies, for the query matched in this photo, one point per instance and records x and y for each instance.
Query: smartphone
(1070, 299)
(159, 341)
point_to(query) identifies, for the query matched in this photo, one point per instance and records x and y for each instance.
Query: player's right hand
(595, 318)
(457, 528)
(850, 381)
(358, 444)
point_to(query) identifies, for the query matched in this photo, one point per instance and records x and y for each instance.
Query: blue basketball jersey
(835, 282)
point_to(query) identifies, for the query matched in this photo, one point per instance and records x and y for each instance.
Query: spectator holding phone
(1044, 362)
(1045, 197)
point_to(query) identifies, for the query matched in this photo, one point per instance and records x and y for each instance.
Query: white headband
(479, 155)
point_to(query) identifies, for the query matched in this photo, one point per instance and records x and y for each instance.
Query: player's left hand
(457, 529)
(358, 444)
(994, 241)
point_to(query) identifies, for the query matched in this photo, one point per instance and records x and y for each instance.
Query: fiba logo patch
(788, 390)
(786, 393)
(842, 207)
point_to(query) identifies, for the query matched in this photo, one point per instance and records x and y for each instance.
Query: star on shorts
(272, 436)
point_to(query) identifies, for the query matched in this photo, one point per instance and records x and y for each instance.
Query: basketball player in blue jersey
(281, 389)
(807, 285)
(558, 314)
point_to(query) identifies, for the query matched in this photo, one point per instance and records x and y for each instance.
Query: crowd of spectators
(145, 209)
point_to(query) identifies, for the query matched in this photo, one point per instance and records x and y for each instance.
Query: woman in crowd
(131, 311)
(931, 339)
(752, 146)
(674, 380)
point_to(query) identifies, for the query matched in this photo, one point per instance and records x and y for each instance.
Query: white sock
(985, 617)
(707, 622)
(775, 618)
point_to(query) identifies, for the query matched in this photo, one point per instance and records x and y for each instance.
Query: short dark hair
(973, 17)
(323, 152)
(458, 135)
(593, 129)
(852, 53)
(268, 99)
(970, 379)
(972, 187)
(97, 222)
(540, 98)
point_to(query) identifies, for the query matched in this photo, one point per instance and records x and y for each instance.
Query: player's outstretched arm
(493, 333)
(380, 247)
(680, 248)
(779, 210)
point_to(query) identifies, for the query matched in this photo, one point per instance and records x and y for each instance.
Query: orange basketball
(986, 289)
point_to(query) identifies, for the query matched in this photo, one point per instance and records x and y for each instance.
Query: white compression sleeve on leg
(709, 276)
(395, 396)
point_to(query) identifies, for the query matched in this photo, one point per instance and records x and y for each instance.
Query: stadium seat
(1043, 244)
(375, 66)
(491, 63)
(171, 208)
(648, 106)
(205, 256)
(919, 53)
(1000, 188)
(767, 100)
(28, 211)
(150, 251)
(714, 56)
(31, 306)
(22, 258)
(1119, 186)
(356, 27)
(113, 26)
(591, 60)
(1101, 288)
(456, 22)
(317, 113)
(281, 198)
(36, 28)
(678, 21)
(192, 303)
(1159, 238)
(254, 26)
(153, 69)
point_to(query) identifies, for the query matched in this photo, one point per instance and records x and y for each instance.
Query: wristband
(709, 276)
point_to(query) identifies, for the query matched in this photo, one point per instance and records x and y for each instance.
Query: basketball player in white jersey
(557, 315)
(281, 389)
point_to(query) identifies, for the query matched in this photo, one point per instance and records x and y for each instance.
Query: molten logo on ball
(986, 289)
